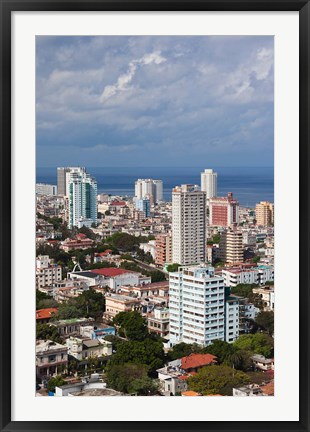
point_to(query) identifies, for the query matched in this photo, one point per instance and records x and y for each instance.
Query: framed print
(154, 215)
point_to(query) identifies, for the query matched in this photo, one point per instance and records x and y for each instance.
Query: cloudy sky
(154, 101)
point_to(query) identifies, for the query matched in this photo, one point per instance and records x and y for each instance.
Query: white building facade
(47, 273)
(231, 319)
(188, 225)
(196, 306)
(209, 183)
(149, 188)
(46, 189)
(82, 192)
(255, 275)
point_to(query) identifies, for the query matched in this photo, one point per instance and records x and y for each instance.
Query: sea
(249, 185)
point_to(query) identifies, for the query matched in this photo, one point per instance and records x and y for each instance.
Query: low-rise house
(116, 303)
(91, 279)
(248, 390)
(156, 289)
(68, 292)
(97, 332)
(51, 358)
(47, 272)
(158, 321)
(83, 349)
(72, 326)
(171, 380)
(44, 316)
(88, 386)
(80, 242)
(116, 277)
(102, 256)
(267, 295)
(194, 362)
(173, 377)
(262, 363)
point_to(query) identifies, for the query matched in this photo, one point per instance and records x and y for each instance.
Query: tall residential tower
(82, 193)
(196, 306)
(188, 225)
(209, 183)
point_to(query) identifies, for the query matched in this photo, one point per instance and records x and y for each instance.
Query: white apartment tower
(196, 306)
(188, 225)
(209, 183)
(149, 188)
(82, 191)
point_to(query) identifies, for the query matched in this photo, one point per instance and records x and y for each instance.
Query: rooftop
(45, 313)
(112, 272)
(197, 360)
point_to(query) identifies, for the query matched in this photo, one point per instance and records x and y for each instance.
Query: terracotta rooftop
(197, 360)
(190, 393)
(111, 271)
(268, 389)
(45, 313)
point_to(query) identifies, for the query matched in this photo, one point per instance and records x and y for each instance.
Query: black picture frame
(6, 8)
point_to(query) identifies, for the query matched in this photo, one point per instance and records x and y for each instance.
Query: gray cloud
(123, 95)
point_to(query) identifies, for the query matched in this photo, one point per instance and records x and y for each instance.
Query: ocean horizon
(249, 185)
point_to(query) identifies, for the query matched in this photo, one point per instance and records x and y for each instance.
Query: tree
(116, 341)
(258, 343)
(56, 381)
(132, 325)
(222, 350)
(173, 267)
(183, 350)
(43, 300)
(265, 320)
(256, 299)
(131, 378)
(47, 332)
(148, 352)
(243, 290)
(89, 304)
(217, 379)
(256, 259)
(157, 276)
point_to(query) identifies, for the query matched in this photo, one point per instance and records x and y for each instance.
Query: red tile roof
(45, 313)
(111, 271)
(190, 393)
(268, 389)
(197, 360)
(81, 236)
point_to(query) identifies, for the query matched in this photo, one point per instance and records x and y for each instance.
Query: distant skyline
(155, 101)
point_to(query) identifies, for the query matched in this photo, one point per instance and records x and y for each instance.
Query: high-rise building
(149, 188)
(264, 213)
(224, 211)
(209, 183)
(196, 306)
(46, 189)
(188, 225)
(62, 183)
(231, 246)
(82, 191)
(163, 249)
(143, 205)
